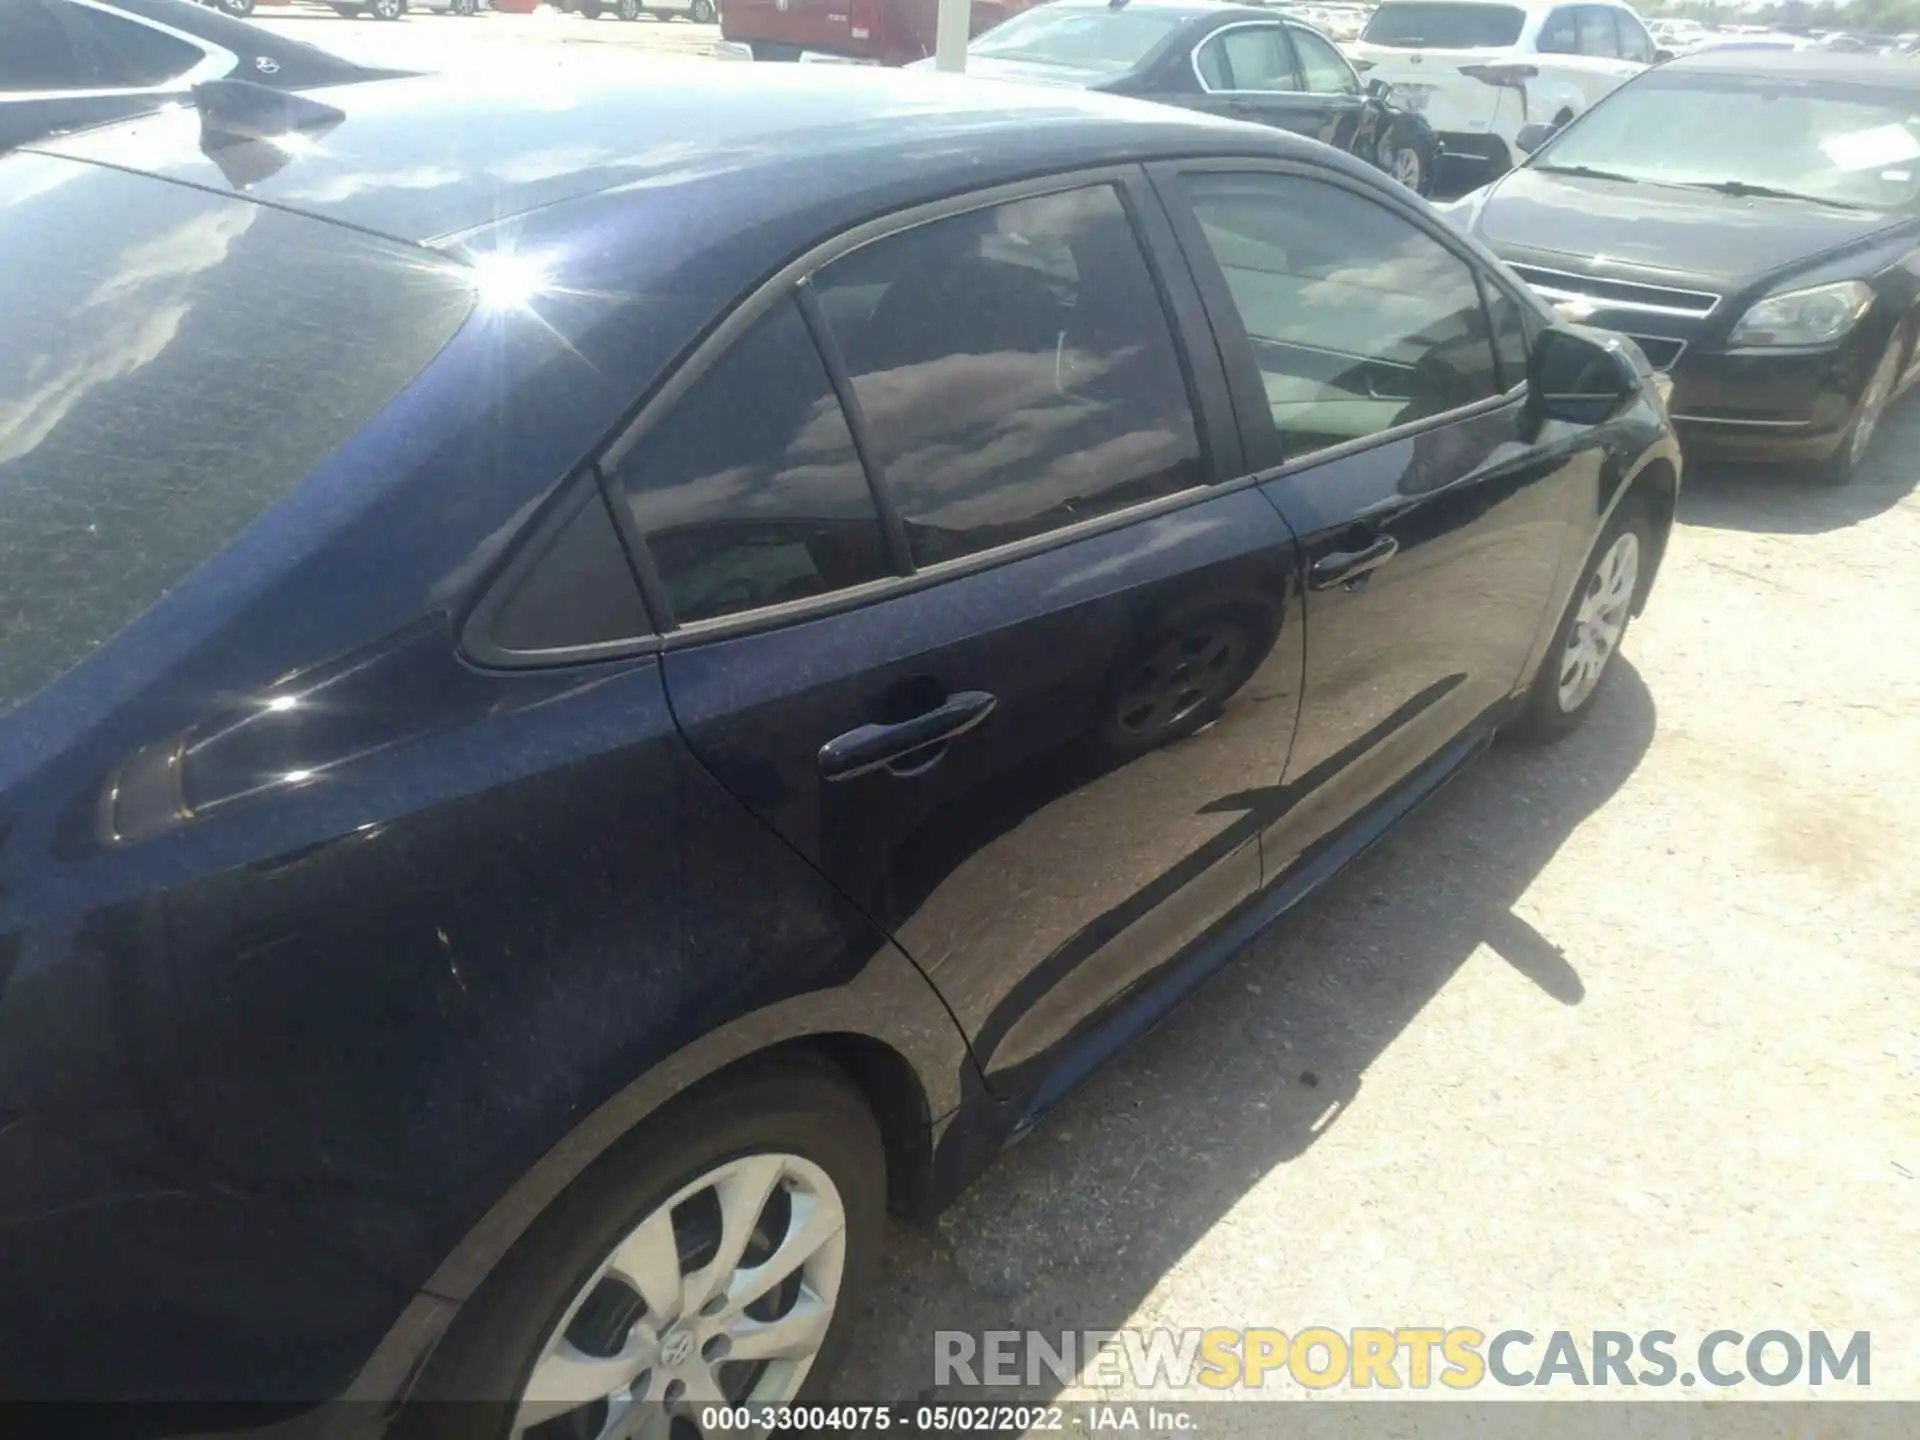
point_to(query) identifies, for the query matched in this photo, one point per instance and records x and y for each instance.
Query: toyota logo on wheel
(266, 64)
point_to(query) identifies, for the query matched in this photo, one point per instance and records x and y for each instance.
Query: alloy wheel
(721, 1296)
(1405, 167)
(387, 9)
(1599, 622)
(702, 12)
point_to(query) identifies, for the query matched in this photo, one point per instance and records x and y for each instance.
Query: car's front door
(1381, 373)
(1332, 82)
(1247, 72)
(959, 610)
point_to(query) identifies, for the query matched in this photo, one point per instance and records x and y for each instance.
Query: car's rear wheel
(701, 13)
(240, 8)
(387, 9)
(627, 9)
(1404, 158)
(1590, 632)
(715, 1256)
(1844, 464)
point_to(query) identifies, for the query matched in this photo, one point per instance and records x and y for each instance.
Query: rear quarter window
(174, 363)
(1434, 25)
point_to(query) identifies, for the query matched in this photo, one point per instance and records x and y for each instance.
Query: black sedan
(67, 64)
(592, 695)
(1233, 60)
(1752, 218)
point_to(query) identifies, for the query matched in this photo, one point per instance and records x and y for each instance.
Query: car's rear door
(1381, 375)
(1332, 83)
(958, 607)
(1247, 71)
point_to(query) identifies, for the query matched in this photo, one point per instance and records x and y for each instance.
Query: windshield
(1110, 41)
(1423, 25)
(1852, 144)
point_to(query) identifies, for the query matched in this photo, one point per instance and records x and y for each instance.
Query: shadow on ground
(1074, 1227)
(1779, 499)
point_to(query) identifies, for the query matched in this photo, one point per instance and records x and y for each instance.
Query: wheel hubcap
(1406, 168)
(1599, 622)
(721, 1296)
(1873, 403)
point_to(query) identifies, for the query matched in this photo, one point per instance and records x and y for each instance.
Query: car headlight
(1804, 317)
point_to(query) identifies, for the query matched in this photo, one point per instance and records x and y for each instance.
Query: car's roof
(1811, 64)
(424, 158)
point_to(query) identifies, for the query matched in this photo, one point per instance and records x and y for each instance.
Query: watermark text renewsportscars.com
(1397, 1358)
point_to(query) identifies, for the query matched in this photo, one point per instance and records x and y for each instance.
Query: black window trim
(1236, 354)
(529, 550)
(1215, 421)
(1293, 59)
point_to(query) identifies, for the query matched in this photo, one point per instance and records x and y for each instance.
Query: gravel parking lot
(1624, 1034)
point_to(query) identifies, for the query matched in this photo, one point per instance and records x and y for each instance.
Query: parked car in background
(1479, 71)
(842, 32)
(701, 12)
(587, 728)
(1232, 60)
(67, 64)
(1752, 219)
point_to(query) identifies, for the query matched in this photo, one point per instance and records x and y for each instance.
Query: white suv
(1479, 70)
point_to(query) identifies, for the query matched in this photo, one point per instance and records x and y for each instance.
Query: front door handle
(875, 747)
(1344, 567)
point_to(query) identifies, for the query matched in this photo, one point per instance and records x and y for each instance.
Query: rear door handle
(1343, 567)
(875, 747)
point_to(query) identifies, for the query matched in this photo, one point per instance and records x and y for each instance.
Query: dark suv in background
(572, 733)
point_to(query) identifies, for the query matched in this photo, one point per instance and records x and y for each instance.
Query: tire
(386, 9)
(1843, 466)
(554, 1280)
(590, 9)
(1406, 160)
(465, 7)
(627, 9)
(701, 12)
(1552, 708)
(345, 12)
(240, 9)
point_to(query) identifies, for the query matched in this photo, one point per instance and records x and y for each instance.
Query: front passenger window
(1358, 320)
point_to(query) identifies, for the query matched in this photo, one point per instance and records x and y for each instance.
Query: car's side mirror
(1574, 377)
(1532, 137)
(1379, 89)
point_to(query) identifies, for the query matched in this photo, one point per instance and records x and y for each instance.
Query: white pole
(950, 34)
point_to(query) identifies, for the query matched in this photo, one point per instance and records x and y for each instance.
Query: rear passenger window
(1015, 370)
(750, 493)
(1560, 35)
(1358, 320)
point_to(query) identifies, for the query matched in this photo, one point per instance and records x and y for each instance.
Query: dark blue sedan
(600, 684)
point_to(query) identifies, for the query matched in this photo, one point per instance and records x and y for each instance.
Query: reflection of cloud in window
(124, 324)
(972, 439)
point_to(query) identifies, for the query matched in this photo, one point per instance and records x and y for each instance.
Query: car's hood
(1699, 233)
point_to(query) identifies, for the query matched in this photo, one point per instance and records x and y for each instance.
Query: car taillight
(863, 18)
(1512, 77)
